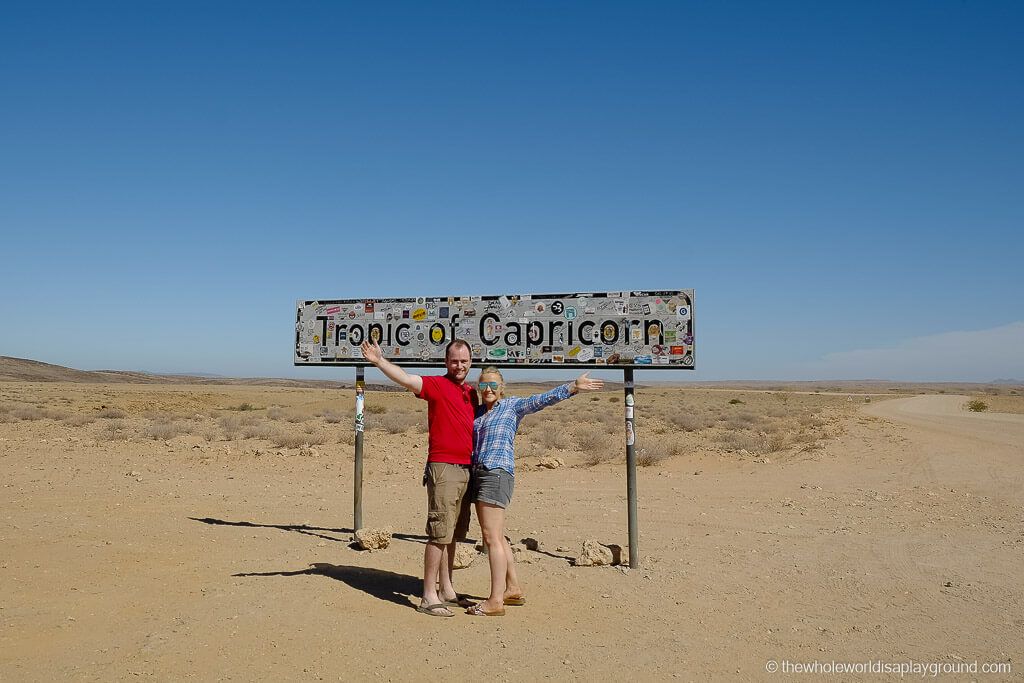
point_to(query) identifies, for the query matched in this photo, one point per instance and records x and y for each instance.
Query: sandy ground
(894, 533)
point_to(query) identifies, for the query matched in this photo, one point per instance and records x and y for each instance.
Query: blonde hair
(491, 370)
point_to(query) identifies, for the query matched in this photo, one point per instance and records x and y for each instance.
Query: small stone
(550, 462)
(531, 544)
(374, 539)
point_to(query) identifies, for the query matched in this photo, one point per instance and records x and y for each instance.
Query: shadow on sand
(381, 584)
(317, 531)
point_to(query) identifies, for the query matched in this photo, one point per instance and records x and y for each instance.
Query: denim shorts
(492, 486)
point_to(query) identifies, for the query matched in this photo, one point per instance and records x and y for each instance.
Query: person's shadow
(380, 583)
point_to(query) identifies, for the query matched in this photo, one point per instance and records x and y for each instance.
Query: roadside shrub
(735, 402)
(977, 406)
(375, 409)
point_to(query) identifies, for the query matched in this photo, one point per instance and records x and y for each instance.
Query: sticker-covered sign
(642, 329)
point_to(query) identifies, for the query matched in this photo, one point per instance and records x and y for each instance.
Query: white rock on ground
(595, 554)
(374, 539)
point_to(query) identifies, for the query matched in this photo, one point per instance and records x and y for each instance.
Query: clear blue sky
(841, 183)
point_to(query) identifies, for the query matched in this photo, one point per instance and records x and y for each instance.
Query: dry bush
(28, 414)
(245, 407)
(552, 435)
(397, 423)
(690, 422)
(162, 430)
(111, 413)
(296, 418)
(346, 436)
(5, 408)
(651, 454)
(593, 458)
(591, 440)
(261, 431)
(115, 430)
(276, 413)
(291, 440)
(741, 420)
(775, 441)
(742, 441)
(331, 417)
(230, 424)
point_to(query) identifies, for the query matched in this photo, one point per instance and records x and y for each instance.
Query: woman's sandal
(478, 611)
(516, 600)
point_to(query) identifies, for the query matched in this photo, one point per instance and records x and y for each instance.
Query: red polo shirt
(449, 419)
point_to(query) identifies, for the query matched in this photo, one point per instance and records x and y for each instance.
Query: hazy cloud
(976, 356)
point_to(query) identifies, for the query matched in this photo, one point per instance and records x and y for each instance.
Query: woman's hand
(584, 383)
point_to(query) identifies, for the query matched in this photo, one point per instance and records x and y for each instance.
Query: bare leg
(433, 557)
(512, 586)
(446, 589)
(492, 526)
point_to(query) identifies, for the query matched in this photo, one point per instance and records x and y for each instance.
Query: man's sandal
(436, 610)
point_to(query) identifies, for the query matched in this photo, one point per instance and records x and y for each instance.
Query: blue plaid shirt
(494, 430)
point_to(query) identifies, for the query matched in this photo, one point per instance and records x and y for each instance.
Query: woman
(494, 429)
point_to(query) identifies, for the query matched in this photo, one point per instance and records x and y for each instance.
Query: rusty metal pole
(357, 480)
(634, 534)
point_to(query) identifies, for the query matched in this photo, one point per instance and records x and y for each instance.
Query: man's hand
(371, 351)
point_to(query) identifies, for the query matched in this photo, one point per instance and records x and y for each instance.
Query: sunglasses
(484, 385)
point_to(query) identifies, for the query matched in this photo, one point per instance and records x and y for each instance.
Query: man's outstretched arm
(372, 353)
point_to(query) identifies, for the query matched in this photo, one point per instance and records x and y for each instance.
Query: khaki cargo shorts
(448, 505)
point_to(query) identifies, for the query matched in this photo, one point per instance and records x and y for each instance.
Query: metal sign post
(357, 490)
(634, 534)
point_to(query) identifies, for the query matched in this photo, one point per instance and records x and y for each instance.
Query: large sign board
(641, 329)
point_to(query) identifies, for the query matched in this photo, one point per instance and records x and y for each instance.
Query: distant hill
(24, 370)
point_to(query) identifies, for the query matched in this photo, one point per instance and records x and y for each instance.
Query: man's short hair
(456, 343)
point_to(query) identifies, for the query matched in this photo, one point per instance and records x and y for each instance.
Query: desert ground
(175, 531)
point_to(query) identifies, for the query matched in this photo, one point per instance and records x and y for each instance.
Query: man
(450, 406)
